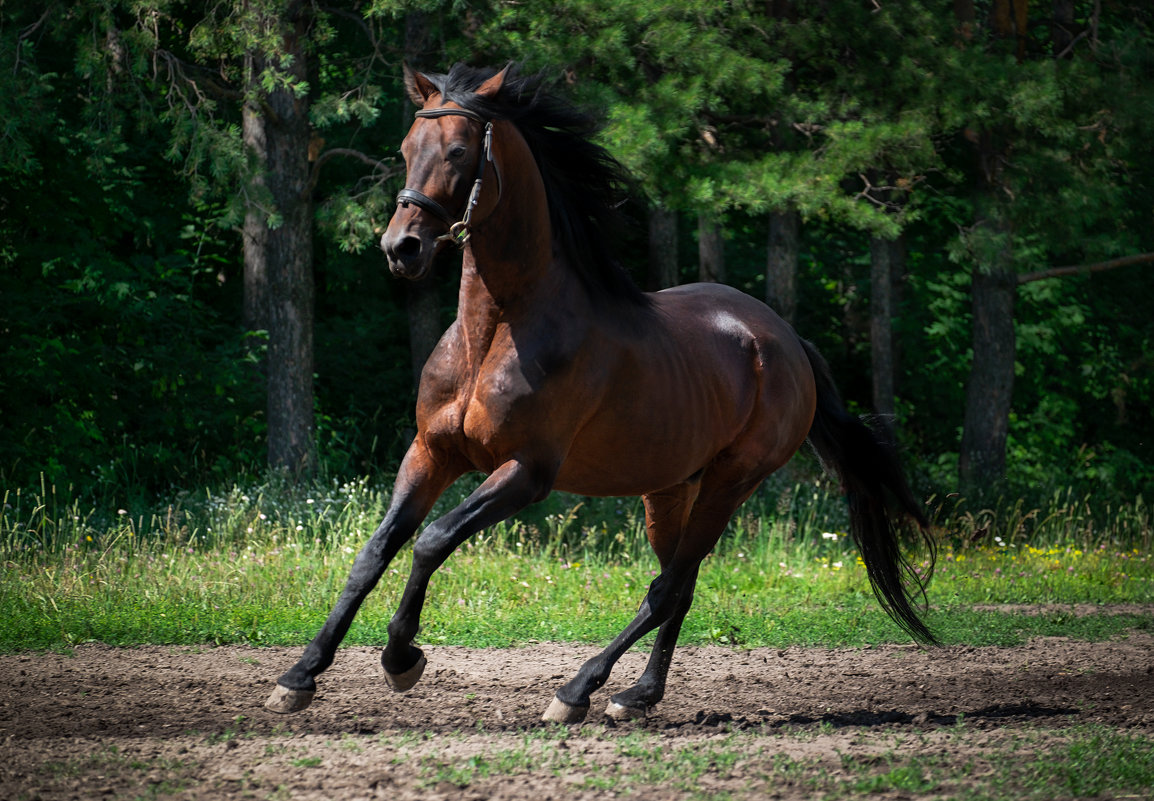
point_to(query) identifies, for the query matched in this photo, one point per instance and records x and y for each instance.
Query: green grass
(794, 761)
(1079, 762)
(264, 565)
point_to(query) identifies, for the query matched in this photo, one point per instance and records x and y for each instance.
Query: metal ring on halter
(458, 231)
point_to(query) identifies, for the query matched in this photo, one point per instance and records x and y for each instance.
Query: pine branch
(1078, 269)
(385, 169)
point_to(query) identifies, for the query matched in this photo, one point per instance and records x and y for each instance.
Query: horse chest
(481, 413)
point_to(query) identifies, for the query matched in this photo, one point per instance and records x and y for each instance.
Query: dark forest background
(952, 200)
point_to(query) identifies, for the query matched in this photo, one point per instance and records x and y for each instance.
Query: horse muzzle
(409, 256)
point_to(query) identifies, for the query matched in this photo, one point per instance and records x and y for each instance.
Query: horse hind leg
(714, 506)
(666, 516)
(664, 606)
(638, 700)
(571, 702)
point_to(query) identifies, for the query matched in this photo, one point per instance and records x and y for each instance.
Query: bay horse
(559, 373)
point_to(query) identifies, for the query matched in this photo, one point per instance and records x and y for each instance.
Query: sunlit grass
(264, 565)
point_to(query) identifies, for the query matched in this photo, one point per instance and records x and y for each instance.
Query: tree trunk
(990, 388)
(1062, 27)
(422, 301)
(277, 127)
(423, 307)
(711, 250)
(255, 232)
(886, 257)
(662, 248)
(781, 264)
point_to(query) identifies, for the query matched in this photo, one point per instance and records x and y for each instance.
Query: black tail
(872, 479)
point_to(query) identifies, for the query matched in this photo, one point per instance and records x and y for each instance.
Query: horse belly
(722, 377)
(649, 436)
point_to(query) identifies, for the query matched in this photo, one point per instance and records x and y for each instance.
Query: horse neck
(508, 265)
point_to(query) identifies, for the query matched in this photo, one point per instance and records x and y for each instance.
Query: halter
(458, 231)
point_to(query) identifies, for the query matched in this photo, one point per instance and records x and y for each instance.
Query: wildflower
(121, 511)
(829, 535)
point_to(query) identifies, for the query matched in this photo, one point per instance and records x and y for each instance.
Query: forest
(952, 200)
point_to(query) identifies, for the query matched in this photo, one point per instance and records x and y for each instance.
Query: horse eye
(457, 152)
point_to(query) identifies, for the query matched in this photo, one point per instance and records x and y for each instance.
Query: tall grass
(263, 564)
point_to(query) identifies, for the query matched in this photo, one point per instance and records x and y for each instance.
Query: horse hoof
(621, 712)
(400, 682)
(284, 701)
(561, 712)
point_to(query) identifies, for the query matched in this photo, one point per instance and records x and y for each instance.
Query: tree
(278, 225)
(662, 255)
(710, 249)
(256, 59)
(1047, 127)
(781, 263)
(886, 259)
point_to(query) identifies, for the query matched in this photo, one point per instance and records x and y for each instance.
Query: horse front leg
(419, 483)
(506, 491)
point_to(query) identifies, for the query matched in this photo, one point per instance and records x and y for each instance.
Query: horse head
(446, 154)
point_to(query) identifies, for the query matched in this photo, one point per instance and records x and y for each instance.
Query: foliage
(126, 368)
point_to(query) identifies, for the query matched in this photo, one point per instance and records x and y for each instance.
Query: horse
(559, 373)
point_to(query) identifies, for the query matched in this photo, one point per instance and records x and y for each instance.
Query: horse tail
(867, 465)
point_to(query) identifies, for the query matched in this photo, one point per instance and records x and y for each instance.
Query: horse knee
(663, 597)
(429, 549)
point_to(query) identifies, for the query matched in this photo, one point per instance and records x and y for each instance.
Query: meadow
(217, 591)
(261, 565)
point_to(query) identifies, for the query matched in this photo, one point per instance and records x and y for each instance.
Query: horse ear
(491, 87)
(418, 87)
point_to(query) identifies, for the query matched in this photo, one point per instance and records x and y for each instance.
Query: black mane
(584, 185)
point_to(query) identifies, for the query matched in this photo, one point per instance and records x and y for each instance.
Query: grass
(1079, 762)
(263, 566)
(956, 762)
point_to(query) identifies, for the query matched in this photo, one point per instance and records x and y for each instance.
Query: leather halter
(459, 230)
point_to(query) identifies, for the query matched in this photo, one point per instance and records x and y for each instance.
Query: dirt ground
(177, 722)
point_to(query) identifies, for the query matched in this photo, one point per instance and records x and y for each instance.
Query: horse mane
(584, 184)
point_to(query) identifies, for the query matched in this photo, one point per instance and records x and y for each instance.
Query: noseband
(459, 230)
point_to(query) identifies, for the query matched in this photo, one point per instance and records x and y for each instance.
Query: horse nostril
(408, 248)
